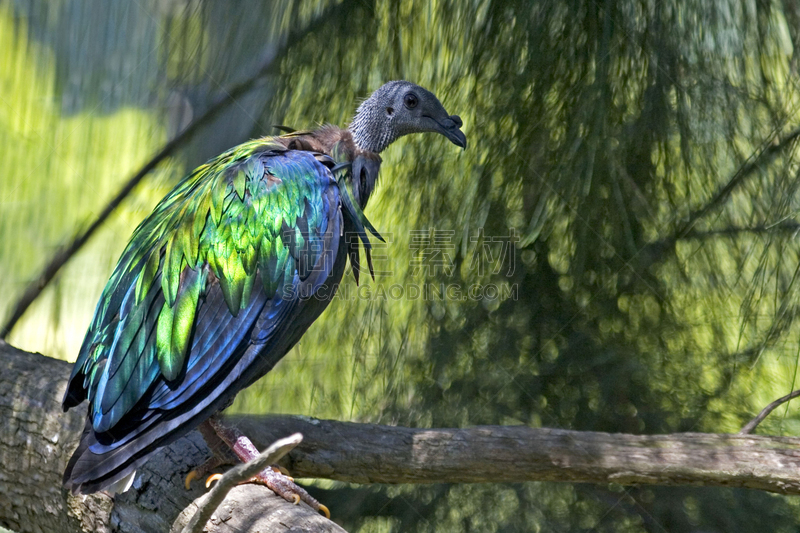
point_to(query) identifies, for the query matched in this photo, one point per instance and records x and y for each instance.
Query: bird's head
(398, 108)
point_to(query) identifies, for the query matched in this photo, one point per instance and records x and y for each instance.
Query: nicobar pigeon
(223, 278)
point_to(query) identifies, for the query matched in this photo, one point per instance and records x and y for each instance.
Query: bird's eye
(410, 100)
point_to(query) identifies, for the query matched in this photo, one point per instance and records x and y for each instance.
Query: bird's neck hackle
(369, 126)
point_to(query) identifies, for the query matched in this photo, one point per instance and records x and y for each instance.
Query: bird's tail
(88, 472)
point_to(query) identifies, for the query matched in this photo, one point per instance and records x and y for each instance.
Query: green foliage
(634, 148)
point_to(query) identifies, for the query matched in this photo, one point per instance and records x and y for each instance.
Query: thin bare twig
(237, 475)
(770, 148)
(733, 231)
(750, 426)
(766, 151)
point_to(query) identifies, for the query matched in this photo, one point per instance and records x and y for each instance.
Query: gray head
(399, 108)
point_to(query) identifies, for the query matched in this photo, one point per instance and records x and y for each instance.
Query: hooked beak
(450, 128)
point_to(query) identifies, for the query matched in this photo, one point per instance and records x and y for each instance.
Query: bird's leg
(222, 454)
(280, 484)
(213, 462)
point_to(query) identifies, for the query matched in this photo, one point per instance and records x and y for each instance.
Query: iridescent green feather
(343, 175)
(225, 219)
(175, 324)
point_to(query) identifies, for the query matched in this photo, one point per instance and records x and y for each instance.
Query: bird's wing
(181, 303)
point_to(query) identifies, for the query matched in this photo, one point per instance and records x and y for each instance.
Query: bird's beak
(457, 137)
(450, 128)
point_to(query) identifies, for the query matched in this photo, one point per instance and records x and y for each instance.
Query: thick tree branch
(36, 440)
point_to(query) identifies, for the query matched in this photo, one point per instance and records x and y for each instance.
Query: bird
(223, 278)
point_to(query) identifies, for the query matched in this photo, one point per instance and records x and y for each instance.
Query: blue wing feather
(118, 367)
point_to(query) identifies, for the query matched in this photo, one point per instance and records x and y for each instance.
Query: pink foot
(282, 485)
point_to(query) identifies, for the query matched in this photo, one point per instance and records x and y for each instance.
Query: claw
(212, 478)
(189, 478)
(277, 479)
(325, 511)
(281, 470)
(278, 469)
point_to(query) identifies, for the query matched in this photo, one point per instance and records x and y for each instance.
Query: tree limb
(750, 426)
(768, 150)
(765, 153)
(367, 453)
(36, 439)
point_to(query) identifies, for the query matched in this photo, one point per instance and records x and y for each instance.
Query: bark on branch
(36, 439)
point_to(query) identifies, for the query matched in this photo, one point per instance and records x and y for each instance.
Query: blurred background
(626, 210)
